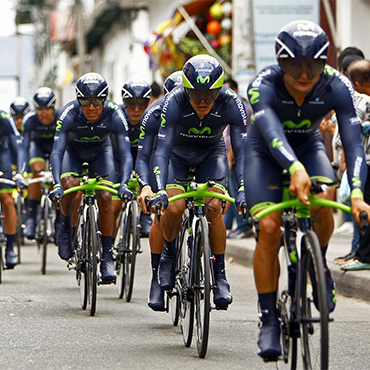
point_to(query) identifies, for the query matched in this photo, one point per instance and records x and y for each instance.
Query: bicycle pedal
(71, 265)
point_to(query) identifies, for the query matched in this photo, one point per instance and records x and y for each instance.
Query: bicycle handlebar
(90, 185)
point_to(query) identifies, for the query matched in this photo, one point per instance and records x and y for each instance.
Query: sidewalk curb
(354, 284)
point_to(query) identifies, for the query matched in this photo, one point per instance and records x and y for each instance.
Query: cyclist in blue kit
(289, 101)
(83, 135)
(39, 130)
(149, 127)
(193, 119)
(135, 96)
(10, 141)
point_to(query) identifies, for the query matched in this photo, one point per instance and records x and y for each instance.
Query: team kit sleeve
(268, 123)
(16, 144)
(59, 146)
(148, 131)
(120, 128)
(27, 138)
(350, 133)
(166, 136)
(238, 131)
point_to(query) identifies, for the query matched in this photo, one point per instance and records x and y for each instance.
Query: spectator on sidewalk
(243, 227)
(359, 74)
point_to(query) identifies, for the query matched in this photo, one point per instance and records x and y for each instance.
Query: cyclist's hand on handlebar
(146, 192)
(57, 192)
(300, 185)
(124, 193)
(19, 181)
(358, 206)
(161, 199)
(240, 198)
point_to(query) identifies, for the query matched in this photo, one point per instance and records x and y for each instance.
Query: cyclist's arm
(16, 144)
(59, 147)
(145, 148)
(166, 138)
(124, 150)
(268, 123)
(238, 131)
(350, 133)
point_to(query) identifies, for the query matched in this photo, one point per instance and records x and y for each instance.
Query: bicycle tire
(174, 306)
(202, 283)
(45, 240)
(131, 246)
(79, 240)
(186, 302)
(1, 263)
(311, 251)
(92, 260)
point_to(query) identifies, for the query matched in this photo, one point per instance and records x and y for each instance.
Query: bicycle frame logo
(202, 80)
(195, 131)
(293, 126)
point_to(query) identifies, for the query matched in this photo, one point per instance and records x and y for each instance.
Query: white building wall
(353, 26)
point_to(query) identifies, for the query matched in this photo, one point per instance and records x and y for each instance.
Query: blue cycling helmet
(136, 88)
(44, 98)
(302, 39)
(202, 77)
(19, 106)
(172, 81)
(92, 85)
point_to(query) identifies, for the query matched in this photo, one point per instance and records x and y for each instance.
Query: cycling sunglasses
(133, 103)
(197, 96)
(95, 102)
(296, 66)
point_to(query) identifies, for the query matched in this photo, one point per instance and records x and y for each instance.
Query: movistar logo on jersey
(356, 182)
(231, 93)
(276, 144)
(142, 134)
(4, 115)
(86, 138)
(293, 126)
(47, 136)
(254, 95)
(202, 80)
(195, 131)
(163, 122)
(134, 141)
(156, 170)
(59, 125)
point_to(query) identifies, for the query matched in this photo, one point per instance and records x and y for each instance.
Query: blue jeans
(232, 212)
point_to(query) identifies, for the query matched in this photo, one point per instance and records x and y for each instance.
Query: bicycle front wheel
(202, 286)
(92, 260)
(19, 228)
(130, 250)
(46, 233)
(314, 323)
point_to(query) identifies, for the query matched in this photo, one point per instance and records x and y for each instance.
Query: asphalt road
(43, 326)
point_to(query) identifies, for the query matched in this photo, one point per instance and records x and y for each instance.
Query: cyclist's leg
(317, 164)
(37, 164)
(260, 171)
(7, 204)
(171, 223)
(71, 164)
(106, 218)
(215, 166)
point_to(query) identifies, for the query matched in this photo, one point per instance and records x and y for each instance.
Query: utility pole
(81, 39)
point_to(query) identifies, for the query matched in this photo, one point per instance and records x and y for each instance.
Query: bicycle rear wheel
(131, 240)
(202, 286)
(186, 298)
(92, 260)
(19, 228)
(315, 348)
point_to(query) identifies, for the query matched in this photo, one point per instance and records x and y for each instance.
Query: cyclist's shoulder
(177, 95)
(152, 113)
(336, 80)
(71, 108)
(4, 116)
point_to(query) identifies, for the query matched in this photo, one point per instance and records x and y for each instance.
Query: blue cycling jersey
(149, 127)
(42, 135)
(184, 134)
(75, 131)
(9, 134)
(280, 125)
